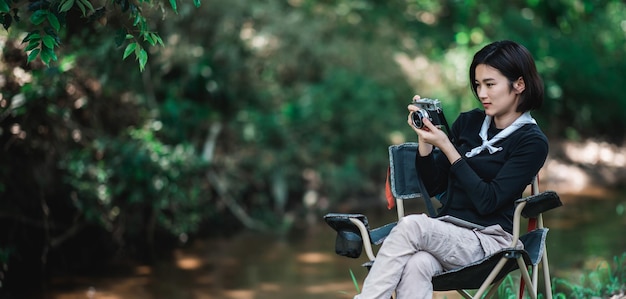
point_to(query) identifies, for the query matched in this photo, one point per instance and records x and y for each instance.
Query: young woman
(496, 153)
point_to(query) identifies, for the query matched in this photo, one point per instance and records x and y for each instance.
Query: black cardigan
(482, 189)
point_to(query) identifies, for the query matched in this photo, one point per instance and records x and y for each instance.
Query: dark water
(584, 232)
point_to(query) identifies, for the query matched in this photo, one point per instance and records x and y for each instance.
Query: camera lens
(418, 116)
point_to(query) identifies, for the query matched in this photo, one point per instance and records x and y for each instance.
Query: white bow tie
(488, 144)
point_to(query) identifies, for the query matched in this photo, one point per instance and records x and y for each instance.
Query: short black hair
(513, 61)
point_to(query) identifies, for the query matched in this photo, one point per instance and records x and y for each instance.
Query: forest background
(248, 114)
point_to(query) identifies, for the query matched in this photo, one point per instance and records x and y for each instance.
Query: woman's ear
(519, 85)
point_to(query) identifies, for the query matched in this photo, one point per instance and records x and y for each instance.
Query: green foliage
(47, 18)
(605, 281)
(122, 178)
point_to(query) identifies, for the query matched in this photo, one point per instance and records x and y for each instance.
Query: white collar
(525, 118)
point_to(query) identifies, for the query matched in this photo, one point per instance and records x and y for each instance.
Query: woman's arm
(516, 173)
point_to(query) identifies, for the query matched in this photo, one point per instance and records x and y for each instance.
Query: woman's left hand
(432, 134)
(438, 138)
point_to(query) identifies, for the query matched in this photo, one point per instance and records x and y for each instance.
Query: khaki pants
(418, 248)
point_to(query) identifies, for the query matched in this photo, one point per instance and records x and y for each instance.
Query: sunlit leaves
(84, 6)
(48, 18)
(140, 54)
(33, 54)
(47, 54)
(4, 6)
(130, 49)
(66, 5)
(53, 21)
(43, 44)
(34, 41)
(39, 16)
(153, 39)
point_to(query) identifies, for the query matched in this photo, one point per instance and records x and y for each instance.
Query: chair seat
(473, 275)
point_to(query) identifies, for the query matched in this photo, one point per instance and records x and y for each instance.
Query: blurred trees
(255, 113)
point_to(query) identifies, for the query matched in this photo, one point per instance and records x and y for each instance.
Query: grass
(605, 281)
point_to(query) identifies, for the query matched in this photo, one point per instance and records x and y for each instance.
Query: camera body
(430, 109)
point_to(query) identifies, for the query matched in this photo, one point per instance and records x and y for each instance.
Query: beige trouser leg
(418, 248)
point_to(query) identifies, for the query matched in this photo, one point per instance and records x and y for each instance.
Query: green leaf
(153, 38)
(38, 16)
(45, 56)
(87, 4)
(137, 19)
(143, 59)
(53, 55)
(81, 6)
(149, 39)
(32, 45)
(157, 39)
(49, 41)
(196, 3)
(33, 54)
(4, 6)
(173, 4)
(66, 5)
(129, 49)
(33, 35)
(120, 37)
(54, 22)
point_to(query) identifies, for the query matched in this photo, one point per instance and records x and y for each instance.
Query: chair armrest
(340, 221)
(352, 234)
(539, 203)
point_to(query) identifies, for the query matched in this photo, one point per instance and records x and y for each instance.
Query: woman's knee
(413, 221)
(422, 265)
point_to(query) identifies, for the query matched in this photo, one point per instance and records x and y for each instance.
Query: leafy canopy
(46, 21)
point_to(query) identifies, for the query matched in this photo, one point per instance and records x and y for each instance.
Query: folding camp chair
(354, 234)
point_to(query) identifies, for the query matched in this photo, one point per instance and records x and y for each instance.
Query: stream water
(583, 233)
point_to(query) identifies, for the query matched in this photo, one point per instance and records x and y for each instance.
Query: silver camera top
(428, 104)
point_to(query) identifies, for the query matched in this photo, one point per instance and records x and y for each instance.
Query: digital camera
(430, 109)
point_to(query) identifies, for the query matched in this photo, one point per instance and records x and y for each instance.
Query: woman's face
(495, 93)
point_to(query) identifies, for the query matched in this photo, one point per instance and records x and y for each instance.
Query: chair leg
(494, 288)
(526, 278)
(492, 291)
(465, 294)
(535, 274)
(491, 278)
(546, 274)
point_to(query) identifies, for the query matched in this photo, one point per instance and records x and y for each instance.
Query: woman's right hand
(424, 148)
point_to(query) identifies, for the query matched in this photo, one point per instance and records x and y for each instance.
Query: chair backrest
(403, 181)
(402, 174)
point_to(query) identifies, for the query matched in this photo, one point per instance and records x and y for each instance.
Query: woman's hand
(425, 148)
(430, 135)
